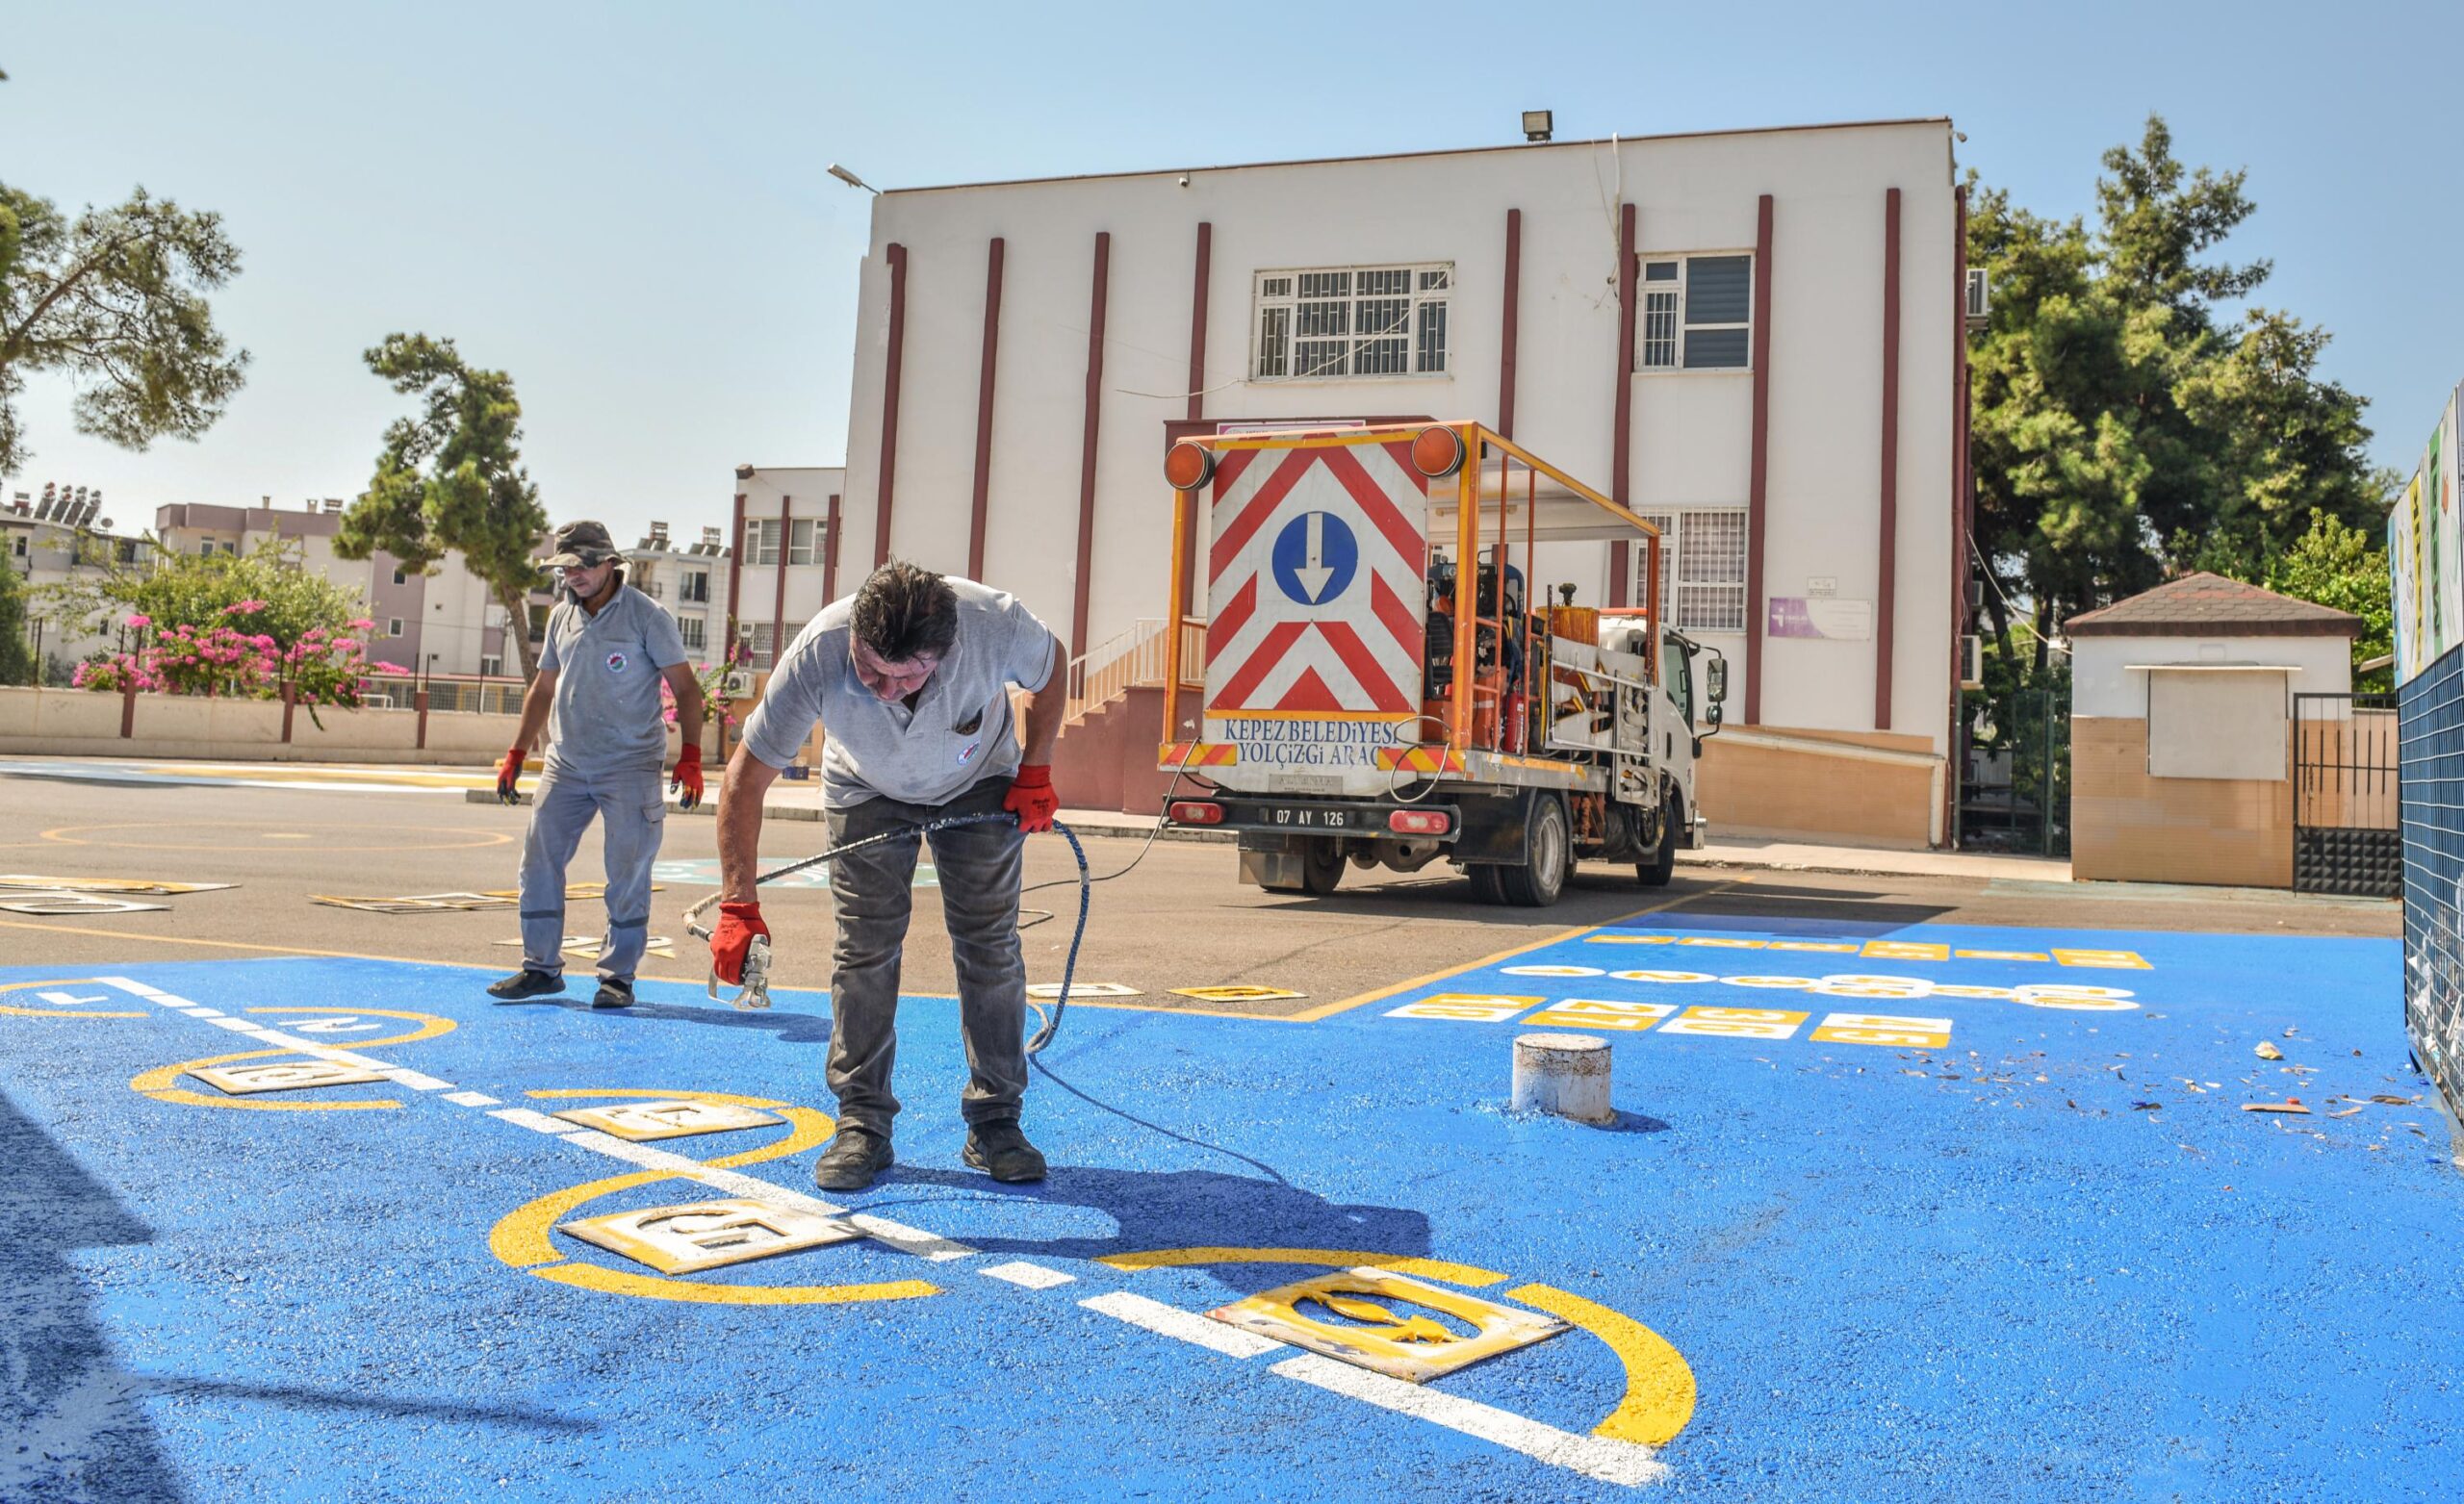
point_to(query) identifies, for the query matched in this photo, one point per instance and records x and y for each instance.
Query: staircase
(1115, 719)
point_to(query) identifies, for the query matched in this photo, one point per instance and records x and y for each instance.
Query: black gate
(2347, 815)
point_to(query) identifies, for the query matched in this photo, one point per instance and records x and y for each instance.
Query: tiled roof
(2210, 605)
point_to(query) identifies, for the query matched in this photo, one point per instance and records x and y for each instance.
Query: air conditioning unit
(1971, 661)
(1980, 297)
(737, 684)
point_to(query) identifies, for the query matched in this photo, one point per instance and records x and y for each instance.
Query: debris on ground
(2266, 1051)
(2288, 1105)
(2385, 1099)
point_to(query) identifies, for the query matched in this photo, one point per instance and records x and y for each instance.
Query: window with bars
(691, 628)
(1352, 321)
(1701, 585)
(1696, 314)
(763, 651)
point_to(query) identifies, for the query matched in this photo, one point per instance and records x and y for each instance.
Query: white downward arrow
(1314, 575)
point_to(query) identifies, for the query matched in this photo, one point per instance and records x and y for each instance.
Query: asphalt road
(1179, 918)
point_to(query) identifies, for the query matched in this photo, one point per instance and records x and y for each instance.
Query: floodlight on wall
(1538, 125)
(850, 179)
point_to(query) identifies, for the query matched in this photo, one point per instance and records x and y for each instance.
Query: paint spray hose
(755, 990)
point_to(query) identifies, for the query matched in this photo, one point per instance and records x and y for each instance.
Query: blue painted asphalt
(1890, 1269)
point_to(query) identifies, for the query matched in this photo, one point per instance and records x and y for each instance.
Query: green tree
(17, 665)
(199, 592)
(2336, 565)
(450, 479)
(115, 300)
(2121, 422)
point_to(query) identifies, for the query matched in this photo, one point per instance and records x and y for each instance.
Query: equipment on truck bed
(1381, 690)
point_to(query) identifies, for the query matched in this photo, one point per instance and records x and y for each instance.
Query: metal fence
(2430, 747)
(2345, 782)
(446, 694)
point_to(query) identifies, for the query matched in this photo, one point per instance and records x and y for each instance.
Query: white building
(54, 539)
(1754, 336)
(785, 567)
(690, 581)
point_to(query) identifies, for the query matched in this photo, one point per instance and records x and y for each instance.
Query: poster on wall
(2399, 564)
(2439, 476)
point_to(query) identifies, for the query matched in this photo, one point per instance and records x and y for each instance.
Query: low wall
(1810, 791)
(78, 723)
(2129, 826)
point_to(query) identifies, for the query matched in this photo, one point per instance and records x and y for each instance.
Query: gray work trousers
(979, 868)
(633, 813)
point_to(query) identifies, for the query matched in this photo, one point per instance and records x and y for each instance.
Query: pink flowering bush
(321, 667)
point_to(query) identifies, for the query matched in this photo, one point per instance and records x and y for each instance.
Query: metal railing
(1115, 665)
(446, 693)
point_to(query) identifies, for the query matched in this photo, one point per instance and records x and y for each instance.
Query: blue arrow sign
(1315, 558)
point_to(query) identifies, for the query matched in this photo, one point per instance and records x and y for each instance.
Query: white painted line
(194, 1011)
(471, 1099)
(414, 1080)
(536, 1122)
(1034, 1276)
(754, 1188)
(1592, 1456)
(913, 1240)
(170, 1000)
(238, 1026)
(125, 984)
(1172, 1322)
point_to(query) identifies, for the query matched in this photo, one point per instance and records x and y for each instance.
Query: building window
(764, 643)
(17, 545)
(492, 666)
(694, 588)
(1352, 321)
(1697, 313)
(690, 627)
(1701, 584)
(393, 626)
(802, 533)
(657, 590)
(400, 578)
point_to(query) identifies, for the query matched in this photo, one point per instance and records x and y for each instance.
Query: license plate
(1309, 817)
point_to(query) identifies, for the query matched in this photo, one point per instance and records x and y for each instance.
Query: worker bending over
(910, 678)
(597, 692)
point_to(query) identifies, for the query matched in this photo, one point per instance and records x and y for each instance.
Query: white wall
(804, 491)
(1690, 430)
(2101, 683)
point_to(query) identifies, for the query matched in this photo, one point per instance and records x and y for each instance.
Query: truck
(1375, 686)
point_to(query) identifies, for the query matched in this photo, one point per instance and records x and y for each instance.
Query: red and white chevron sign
(1314, 580)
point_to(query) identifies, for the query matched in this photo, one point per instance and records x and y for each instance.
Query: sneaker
(853, 1159)
(1001, 1151)
(614, 992)
(527, 984)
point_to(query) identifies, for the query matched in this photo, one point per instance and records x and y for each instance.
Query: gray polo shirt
(606, 716)
(959, 733)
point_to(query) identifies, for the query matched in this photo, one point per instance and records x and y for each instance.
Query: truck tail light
(1417, 822)
(1193, 811)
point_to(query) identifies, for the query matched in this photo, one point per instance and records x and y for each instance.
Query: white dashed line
(1592, 1456)
(1034, 1276)
(238, 1026)
(414, 1080)
(202, 1012)
(912, 1240)
(1172, 1322)
(536, 1122)
(471, 1099)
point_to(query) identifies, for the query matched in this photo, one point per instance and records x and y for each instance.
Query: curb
(1084, 822)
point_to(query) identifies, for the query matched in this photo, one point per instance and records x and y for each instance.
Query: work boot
(527, 984)
(853, 1159)
(614, 992)
(1001, 1151)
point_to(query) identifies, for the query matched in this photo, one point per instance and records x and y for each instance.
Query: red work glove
(1031, 797)
(738, 924)
(685, 783)
(510, 774)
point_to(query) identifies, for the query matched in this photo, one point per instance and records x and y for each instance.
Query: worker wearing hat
(607, 647)
(911, 680)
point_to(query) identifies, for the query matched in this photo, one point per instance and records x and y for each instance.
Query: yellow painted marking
(1602, 1013)
(2116, 960)
(1905, 951)
(1750, 1023)
(1477, 1007)
(1888, 1029)
(1236, 994)
(1401, 1264)
(1835, 947)
(1629, 939)
(1363, 1000)
(1784, 983)
(1721, 943)
(2001, 955)
(158, 1085)
(1660, 1385)
(520, 1237)
(1411, 1348)
(54, 1013)
(431, 1024)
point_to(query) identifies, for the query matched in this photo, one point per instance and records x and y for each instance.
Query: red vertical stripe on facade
(735, 576)
(779, 601)
(889, 402)
(984, 384)
(1086, 438)
(1621, 553)
(1887, 588)
(1511, 322)
(829, 559)
(1759, 477)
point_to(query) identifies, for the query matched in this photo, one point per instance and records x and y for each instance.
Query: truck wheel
(1657, 872)
(1484, 884)
(1322, 868)
(1548, 852)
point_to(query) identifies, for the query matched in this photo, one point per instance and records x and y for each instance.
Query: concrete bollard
(1566, 1075)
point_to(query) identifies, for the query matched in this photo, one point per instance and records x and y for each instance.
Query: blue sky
(625, 205)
